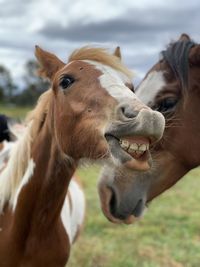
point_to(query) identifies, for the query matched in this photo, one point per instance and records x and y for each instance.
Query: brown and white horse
(172, 86)
(85, 115)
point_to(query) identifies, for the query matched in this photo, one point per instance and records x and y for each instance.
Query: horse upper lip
(149, 124)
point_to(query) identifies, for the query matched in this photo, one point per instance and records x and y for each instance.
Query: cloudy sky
(142, 28)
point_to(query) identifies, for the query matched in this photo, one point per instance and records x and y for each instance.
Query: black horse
(5, 132)
(4, 129)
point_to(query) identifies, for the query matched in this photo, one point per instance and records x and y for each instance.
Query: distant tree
(34, 85)
(7, 87)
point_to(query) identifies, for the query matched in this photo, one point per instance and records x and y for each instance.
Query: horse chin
(125, 153)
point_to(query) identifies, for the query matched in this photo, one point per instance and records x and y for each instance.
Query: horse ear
(50, 64)
(184, 37)
(194, 55)
(117, 52)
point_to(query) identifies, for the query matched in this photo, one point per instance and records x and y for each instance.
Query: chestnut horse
(85, 115)
(172, 86)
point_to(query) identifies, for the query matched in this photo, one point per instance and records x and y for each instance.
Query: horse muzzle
(129, 140)
(123, 199)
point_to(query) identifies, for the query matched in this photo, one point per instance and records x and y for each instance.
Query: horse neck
(47, 188)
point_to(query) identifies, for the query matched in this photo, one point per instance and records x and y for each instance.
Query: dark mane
(176, 56)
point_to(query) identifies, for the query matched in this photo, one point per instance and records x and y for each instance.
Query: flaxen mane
(12, 175)
(100, 55)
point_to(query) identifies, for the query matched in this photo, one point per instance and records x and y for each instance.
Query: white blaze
(113, 82)
(150, 86)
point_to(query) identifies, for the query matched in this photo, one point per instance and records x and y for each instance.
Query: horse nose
(130, 110)
(127, 111)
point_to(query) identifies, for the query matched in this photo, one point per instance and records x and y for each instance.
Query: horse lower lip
(141, 163)
(110, 136)
(142, 156)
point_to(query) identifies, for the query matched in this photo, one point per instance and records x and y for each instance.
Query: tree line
(27, 93)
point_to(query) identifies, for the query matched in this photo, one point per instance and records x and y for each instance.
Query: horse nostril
(123, 110)
(138, 208)
(114, 208)
(113, 203)
(128, 112)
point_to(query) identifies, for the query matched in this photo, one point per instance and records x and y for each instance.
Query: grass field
(167, 236)
(19, 112)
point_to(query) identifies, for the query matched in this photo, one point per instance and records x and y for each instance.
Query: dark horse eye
(166, 105)
(66, 81)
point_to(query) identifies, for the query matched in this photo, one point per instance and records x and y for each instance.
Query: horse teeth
(142, 147)
(125, 144)
(131, 150)
(134, 146)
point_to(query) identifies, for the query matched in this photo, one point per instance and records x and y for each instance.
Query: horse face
(97, 116)
(177, 98)
(129, 192)
(175, 154)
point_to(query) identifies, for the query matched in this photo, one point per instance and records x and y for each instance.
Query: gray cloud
(137, 25)
(16, 8)
(141, 31)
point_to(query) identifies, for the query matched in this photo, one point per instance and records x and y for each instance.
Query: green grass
(167, 236)
(12, 111)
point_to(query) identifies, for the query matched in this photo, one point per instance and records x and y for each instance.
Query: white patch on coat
(5, 153)
(72, 220)
(11, 176)
(150, 86)
(113, 82)
(28, 174)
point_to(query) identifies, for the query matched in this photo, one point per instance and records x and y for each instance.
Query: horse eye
(166, 105)
(66, 81)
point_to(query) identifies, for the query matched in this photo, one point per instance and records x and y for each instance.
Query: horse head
(171, 87)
